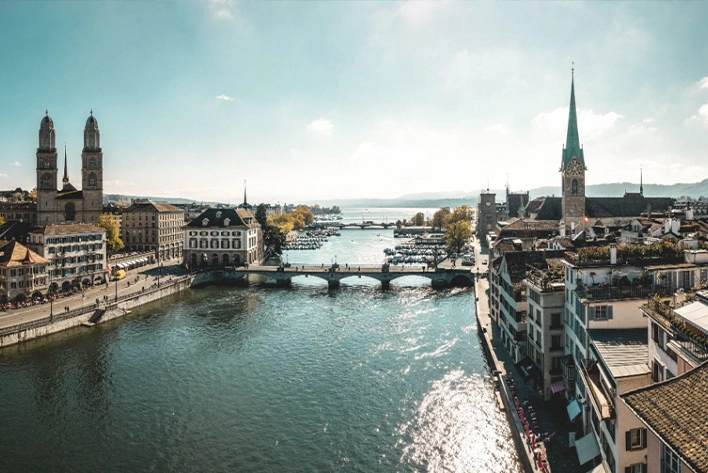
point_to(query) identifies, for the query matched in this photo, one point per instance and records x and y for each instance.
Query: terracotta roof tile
(677, 411)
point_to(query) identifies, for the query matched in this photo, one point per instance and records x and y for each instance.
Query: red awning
(557, 387)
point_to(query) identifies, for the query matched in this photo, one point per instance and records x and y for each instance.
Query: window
(670, 462)
(555, 320)
(600, 312)
(636, 468)
(636, 439)
(574, 186)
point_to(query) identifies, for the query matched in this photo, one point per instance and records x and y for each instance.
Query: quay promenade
(551, 419)
(93, 305)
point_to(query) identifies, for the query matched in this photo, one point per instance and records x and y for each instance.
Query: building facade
(68, 204)
(229, 237)
(23, 272)
(76, 254)
(153, 226)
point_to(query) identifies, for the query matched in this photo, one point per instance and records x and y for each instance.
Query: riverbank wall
(484, 330)
(91, 314)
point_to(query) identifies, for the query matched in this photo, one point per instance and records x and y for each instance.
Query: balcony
(546, 281)
(682, 338)
(606, 293)
(602, 401)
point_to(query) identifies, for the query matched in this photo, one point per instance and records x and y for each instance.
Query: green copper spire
(572, 141)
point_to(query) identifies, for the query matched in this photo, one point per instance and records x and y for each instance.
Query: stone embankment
(92, 314)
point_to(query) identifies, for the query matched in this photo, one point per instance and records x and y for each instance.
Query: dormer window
(226, 222)
(205, 222)
(218, 214)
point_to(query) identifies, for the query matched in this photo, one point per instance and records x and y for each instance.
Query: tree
(462, 214)
(262, 215)
(273, 240)
(419, 219)
(113, 241)
(440, 218)
(457, 235)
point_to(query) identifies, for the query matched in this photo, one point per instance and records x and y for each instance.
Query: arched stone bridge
(334, 274)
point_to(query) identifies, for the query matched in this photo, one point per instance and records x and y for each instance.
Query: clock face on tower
(488, 203)
(575, 169)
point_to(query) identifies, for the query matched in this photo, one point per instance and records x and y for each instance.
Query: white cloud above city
(401, 97)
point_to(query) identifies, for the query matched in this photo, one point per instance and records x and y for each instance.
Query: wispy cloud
(16, 164)
(590, 124)
(3, 175)
(321, 126)
(224, 98)
(703, 83)
(224, 9)
(701, 116)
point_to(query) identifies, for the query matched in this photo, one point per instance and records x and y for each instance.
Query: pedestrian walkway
(545, 418)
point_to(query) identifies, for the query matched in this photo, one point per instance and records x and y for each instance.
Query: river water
(253, 379)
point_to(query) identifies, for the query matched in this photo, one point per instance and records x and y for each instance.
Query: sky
(317, 100)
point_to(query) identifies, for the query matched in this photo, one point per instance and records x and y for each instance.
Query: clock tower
(573, 170)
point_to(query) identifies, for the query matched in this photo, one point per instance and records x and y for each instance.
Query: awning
(696, 314)
(587, 448)
(528, 368)
(573, 410)
(120, 265)
(557, 387)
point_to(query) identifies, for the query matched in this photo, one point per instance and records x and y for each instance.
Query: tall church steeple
(572, 141)
(573, 169)
(641, 182)
(65, 179)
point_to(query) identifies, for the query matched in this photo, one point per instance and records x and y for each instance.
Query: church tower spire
(641, 182)
(572, 140)
(65, 179)
(573, 169)
(245, 202)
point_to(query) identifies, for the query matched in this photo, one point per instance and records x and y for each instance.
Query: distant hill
(170, 200)
(458, 198)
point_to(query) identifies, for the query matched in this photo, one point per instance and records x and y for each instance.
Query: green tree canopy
(462, 214)
(418, 219)
(113, 241)
(273, 240)
(440, 218)
(262, 215)
(457, 235)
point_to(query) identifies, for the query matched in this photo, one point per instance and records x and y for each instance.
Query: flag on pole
(586, 219)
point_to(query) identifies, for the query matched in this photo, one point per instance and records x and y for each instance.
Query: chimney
(562, 228)
(648, 210)
(613, 254)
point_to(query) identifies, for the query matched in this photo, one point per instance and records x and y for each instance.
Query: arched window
(69, 212)
(92, 180)
(92, 163)
(574, 186)
(46, 182)
(225, 259)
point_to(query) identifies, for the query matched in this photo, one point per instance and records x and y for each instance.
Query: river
(253, 379)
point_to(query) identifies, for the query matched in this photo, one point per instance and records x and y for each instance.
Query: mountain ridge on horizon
(458, 197)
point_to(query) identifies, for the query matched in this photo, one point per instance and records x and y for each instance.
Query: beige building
(223, 237)
(76, 254)
(22, 271)
(153, 226)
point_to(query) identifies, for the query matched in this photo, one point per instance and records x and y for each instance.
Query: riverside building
(220, 236)
(153, 226)
(76, 254)
(23, 273)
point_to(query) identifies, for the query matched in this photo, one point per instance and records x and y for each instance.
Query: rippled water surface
(263, 380)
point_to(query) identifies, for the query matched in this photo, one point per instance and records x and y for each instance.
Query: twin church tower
(68, 204)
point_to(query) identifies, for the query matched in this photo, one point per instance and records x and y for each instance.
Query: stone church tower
(69, 205)
(92, 171)
(573, 171)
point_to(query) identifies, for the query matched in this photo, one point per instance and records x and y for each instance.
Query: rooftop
(676, 411)
(624, 351)
(13, 253)
(68, 229)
